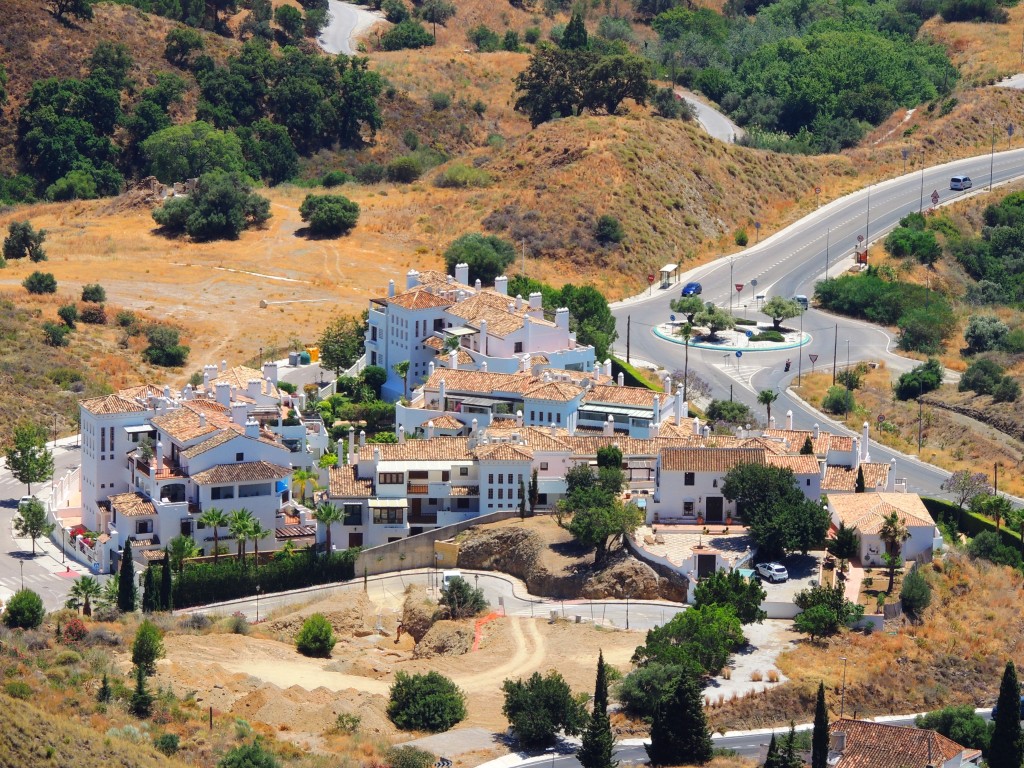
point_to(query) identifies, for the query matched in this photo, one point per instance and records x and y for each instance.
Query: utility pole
(867, 226)
(629, 322)
(828, 236)
(799, 354)
(920, 206)
(995, 484)
(920, 416)
(730, 287)
(992, 159)
(835, 352)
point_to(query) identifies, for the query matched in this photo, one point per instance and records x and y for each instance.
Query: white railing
(63, 488)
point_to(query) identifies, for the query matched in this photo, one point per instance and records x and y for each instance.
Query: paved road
(789, 263)
(345, 22)
(711, 120)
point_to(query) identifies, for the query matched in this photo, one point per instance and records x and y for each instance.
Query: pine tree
(819, 739)
(1007, 748)
(166, 601)
(127, 592)
(788, 757)
(859, 487)
(141, 704)
(149, 594)
(679, 730)
(598, 741)
(104, 694)
(808, 447)
(575, 35)
(773, 759)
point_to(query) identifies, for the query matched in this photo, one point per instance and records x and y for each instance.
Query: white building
(866, 513)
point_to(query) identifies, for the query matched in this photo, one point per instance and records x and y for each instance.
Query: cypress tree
(808, 447)
(1007, 747)
(127, 592)
(104, 694)
(575, 35)
(859, 487)
(679, 730)
(149, 594)
(598, 741)
(141, 703)
(772, 759)
(788, 756)
(166, 600)
(819, 739)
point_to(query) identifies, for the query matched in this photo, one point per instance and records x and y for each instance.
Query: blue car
(692, 289)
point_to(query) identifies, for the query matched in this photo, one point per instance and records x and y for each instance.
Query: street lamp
(842, 696)
(257, 603)
(920, 205)
(22, 564)
(1009, 134)
(992, 159)
(54, 473)
(63, 530)
(920, 415)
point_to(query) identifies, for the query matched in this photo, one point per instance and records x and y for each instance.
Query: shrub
(164, 348)
(429, 702)
(94, 314)
(180, 45)
(74, 630)
(960, 723)
(24, 610)
(74, 185)
(768, 336)
(403, 170)
(531, 35)
(335, 179)
(729, 411)
(486, 255)
(406, 34)
(440, 101)
(1006, 391)
(984, 332)
(642, 689)
(251, 755)
(347, 722)
(23, 240)
(510, 42)
(67, 658)
(484, 38)
(147, 647)
(370, 173)
(987, 546)
(222, 205)
(167, 743)
(462, 176)
(55, 334)
(395, 11)
(461, 599)
(411, 140)
(838, 400)
(329, 214)
(68, 315)
(982, 377)
(541, 707)
(924, 378)
(609, 230)
(916, 593)
(17, 689)
(740, 237)
(409, 757)
(40, 282)
(825, 611)
(316, 638)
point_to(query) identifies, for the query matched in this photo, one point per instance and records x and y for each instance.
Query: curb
(715, 347)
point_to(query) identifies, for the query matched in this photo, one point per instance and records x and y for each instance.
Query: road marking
(744, 374)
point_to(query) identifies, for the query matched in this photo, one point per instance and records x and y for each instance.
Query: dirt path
(306, 674)
(523, 661)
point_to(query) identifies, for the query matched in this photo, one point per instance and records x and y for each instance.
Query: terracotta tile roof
(866, 511)
(539, 358)
(295, 531)
(839, 478)
(555, 391)
(239, 377)
(684, 430)
(183, 424)
(709, 459)
(142, 390)
(248, 471)
(135, 542)
(210, 443)
(149, 554)
(439, 280)
(344, 484)
(463, 358)
(447, 421)
(437, 449)
(825, 442)
(110, 404)
(542, 439)
(433, 342)
(772, 446)
(880, 745)
(132, 505)
(417, 298)
(639, 397)
(799, 465)
(503, 452)
(480, 382)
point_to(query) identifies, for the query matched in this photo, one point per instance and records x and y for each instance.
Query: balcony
(168, 470)
(423, 518)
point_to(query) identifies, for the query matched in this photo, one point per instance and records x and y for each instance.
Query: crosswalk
(13, 583)
(741, 373)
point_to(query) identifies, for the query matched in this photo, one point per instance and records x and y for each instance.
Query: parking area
(803, 573)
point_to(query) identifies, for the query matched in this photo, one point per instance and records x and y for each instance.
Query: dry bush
(756, 676)
(773, 675)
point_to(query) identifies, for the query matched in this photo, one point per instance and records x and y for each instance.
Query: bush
(94, 314)
(1006, 391)
(409, 757)
(642, 689)
(251, 755)
(40, 282)
(429, 702)
(406, 34)
(316, 638)
(984, 332)
(987, 546)
(147, 647)
(982, 376)
(768, 336)
(24, 610)
(541, 707)
(838, 400)
(461, 599)
(68, 315)
(460, 176)
(960, 723)
(403, 170)
(740, 237)
(484, 38)
(18, 689)
(164, 348)
(222, 205)
(973, 10)
(335, 179)
(609, 230)
(729, 411)
(924, 378)
(510, 42)
(486, 255)
(916, 593)
(370, 173)
(825, 611)
(395, 11)
(23, 240)
(329, 214)
(440, 101)
(74, 630)
(167, 743)
(55, 334)
(531, 35)
(74, 185)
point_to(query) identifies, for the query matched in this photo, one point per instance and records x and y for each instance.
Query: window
(714, 483)
(501, 493)
(808, 481)
(353, 514)
(490, 494)
(462, 503)
(445, 475)
(219, 492)
(391, 478)
(256, 489)
(373, 333)
(688, 478)
(111, 438)
(143, 526)
(239, 457)
(490, 479)
(688, 507)
(418, 474)
(518, 347)
(387, 516)
(544, 466)
(463, 471)
(533, 416)
(103, 439)
(558, 418)
(501, 478)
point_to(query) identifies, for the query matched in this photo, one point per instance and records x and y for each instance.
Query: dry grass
(955, 656)
(982, 52)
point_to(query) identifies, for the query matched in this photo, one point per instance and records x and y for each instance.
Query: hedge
(630, 374)
(968, 522)
(202, 583)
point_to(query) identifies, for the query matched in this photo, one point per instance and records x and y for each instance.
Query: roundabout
(739, 340)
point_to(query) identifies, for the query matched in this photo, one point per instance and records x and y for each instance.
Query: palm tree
(402, 369)
(893, 533)
(84, 591)
(181, 549)
(766, 397)
(327, 514)
(303, 478)
(240, 523)
(214, 518)
(109, 592)
(257, 532)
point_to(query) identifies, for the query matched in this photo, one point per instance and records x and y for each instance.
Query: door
(714, 509)
(355, 540)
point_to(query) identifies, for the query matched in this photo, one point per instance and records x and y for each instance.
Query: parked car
(1021, 709)
(24, 502)
(773, 572)
(692, 289)
(961, 182)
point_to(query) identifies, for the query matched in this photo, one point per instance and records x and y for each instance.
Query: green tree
(535, 493)
(820, 735)
(164, 348)
(487, 256)
(55, 335)
(303, 479)
(341, 342)
(166, 584)
(401, 369)
(251, 755)
(687, 305)
(40, 282)
(141, 703)
(825, 610)
(150, 596)
(484, 38)
(24, 240)
(428, 702)
(316, 638)
(222, 205)
(214, 519)
(68, 314)
(268, 151)
(590, 315)
(181, 44)
(289, 19)
(84, 592)
(240, 522)
(729, 411)
(679, 730)
(766, 397)
(24, 610)
(540, 707)
(959, 723)
(845, 544)
(858, 486)
(893, 533)
(331, 215)
(147, 647)
(779, 309)
(127, 591)
(31, 521)
(327, 515)
(915, 593)
(575, 35)
(707, 635)
(104, 694)
(94, 292)
(437, 11)
(28, 458)
(598, 741)
(406, 34)
(807, 449)
(80, 9)
(395, 11)
(608, 229)
(188, 151)
(610, 80)
(733, 589)
(715, 320)
(181, 548)
(642, 690)
(609, 456)
(1006, 749)
(462, 599)
(552, 85)
(601, 522)
(984, 332)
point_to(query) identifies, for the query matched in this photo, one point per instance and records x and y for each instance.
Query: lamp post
(53, 474)
(842, 696)
(920, 205)
(1009, 134)
(800, 357)
(63, 530)
(257, 603)
(992, 159)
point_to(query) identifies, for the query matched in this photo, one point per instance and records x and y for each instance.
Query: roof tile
(880, 745)
(344, 484)
(247, 471)
(709, 459)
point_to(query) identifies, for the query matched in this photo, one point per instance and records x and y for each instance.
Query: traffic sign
(749, 334)
(753, 283)
(817, 190)
(860, 238)
(739, 287)
(672, 318)
(814, 358)
(881, 418)
(738, 353)
(935, 197)
(650, 278)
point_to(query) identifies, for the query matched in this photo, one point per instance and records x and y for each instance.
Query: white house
(866, 513)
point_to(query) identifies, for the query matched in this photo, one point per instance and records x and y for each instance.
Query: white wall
(673, 492)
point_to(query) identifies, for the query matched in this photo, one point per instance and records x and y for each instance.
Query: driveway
(711, 120)
(803, 570)
(345, 23)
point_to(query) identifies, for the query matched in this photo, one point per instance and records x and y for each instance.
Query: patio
(678, 543)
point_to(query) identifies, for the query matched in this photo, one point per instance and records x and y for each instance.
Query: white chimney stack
(696, 426)
(223, 366)
(679, 407)
(771, 423)
(817, 431)
(412, 279)
(202, 420)
(856, 453)
(391, 289)
(188, 393)
(891, 484)
(430, 369)
(621, 380)
(483, 366)
(474, 428)
(254, 388)
(562, 318)
(477, 284)
(442, 394)
(453, 359)
(656, 415)
(536, 300)
(462, 273)
(252, 428)
(864, 445)
(224, 393)
(270, 372)
(789, 420)
(666, 384)
(501, 285)
(608, 368)
(401, 434)
(239, 413)
(519, 418)
(609, 426)
(159, 457)
(351, 442)
(519, 301)
(430, 430)
(362, 437)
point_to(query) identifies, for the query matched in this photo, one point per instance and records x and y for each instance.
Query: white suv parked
(772, 572)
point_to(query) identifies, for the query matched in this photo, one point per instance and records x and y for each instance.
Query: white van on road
(960, 183)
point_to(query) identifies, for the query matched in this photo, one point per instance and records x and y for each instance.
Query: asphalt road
(345, 22)
(790, 263)
(711, 120)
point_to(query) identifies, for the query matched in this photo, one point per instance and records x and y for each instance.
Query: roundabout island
(742, 338)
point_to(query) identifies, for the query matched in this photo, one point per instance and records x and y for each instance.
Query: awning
(481, 402)
(460, 330)
(669, 268)
(388, 503)
(617, 410)
(139, 429)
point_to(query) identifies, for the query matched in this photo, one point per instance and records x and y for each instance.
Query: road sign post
(814, 359)
(935, 197)
(753, 285)
(650, 282)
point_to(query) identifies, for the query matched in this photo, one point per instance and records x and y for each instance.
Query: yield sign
(814, 358)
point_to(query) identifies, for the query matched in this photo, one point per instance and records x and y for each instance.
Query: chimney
(224, 393)
(362, 437)
(666, 384)
(572, 339)
(656, 414)
(442, 394)
(501, 285)
(483, 336)
(188, 392)
(483, 366)
(621, 381)
(430, 430)
(552, 428)
(536, 300)
(430, 369)
(223, 366)
(865, 456)
(771, 423)
(561, 317)
(254, 388)
(838, 742)
(206, 377)
(789, 420)
(655, 429)
(679, 406)
(252, 428)
(475, 428)
(608, 368)
(706, 432)
(159, 456)
(412, 279)
(202, 420)
(570, 425)
(453, 359)
(391, 289)
(401, 434)
(167, 391)
(519, 418)
(524, 363)
(477, 284)
(270, 372)
(462, 273)
(891, 485)
(376, 455)
(817, 431)
(696, 426)
(856, 454)
(239, 413)
(609, 427)
(351, 442)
